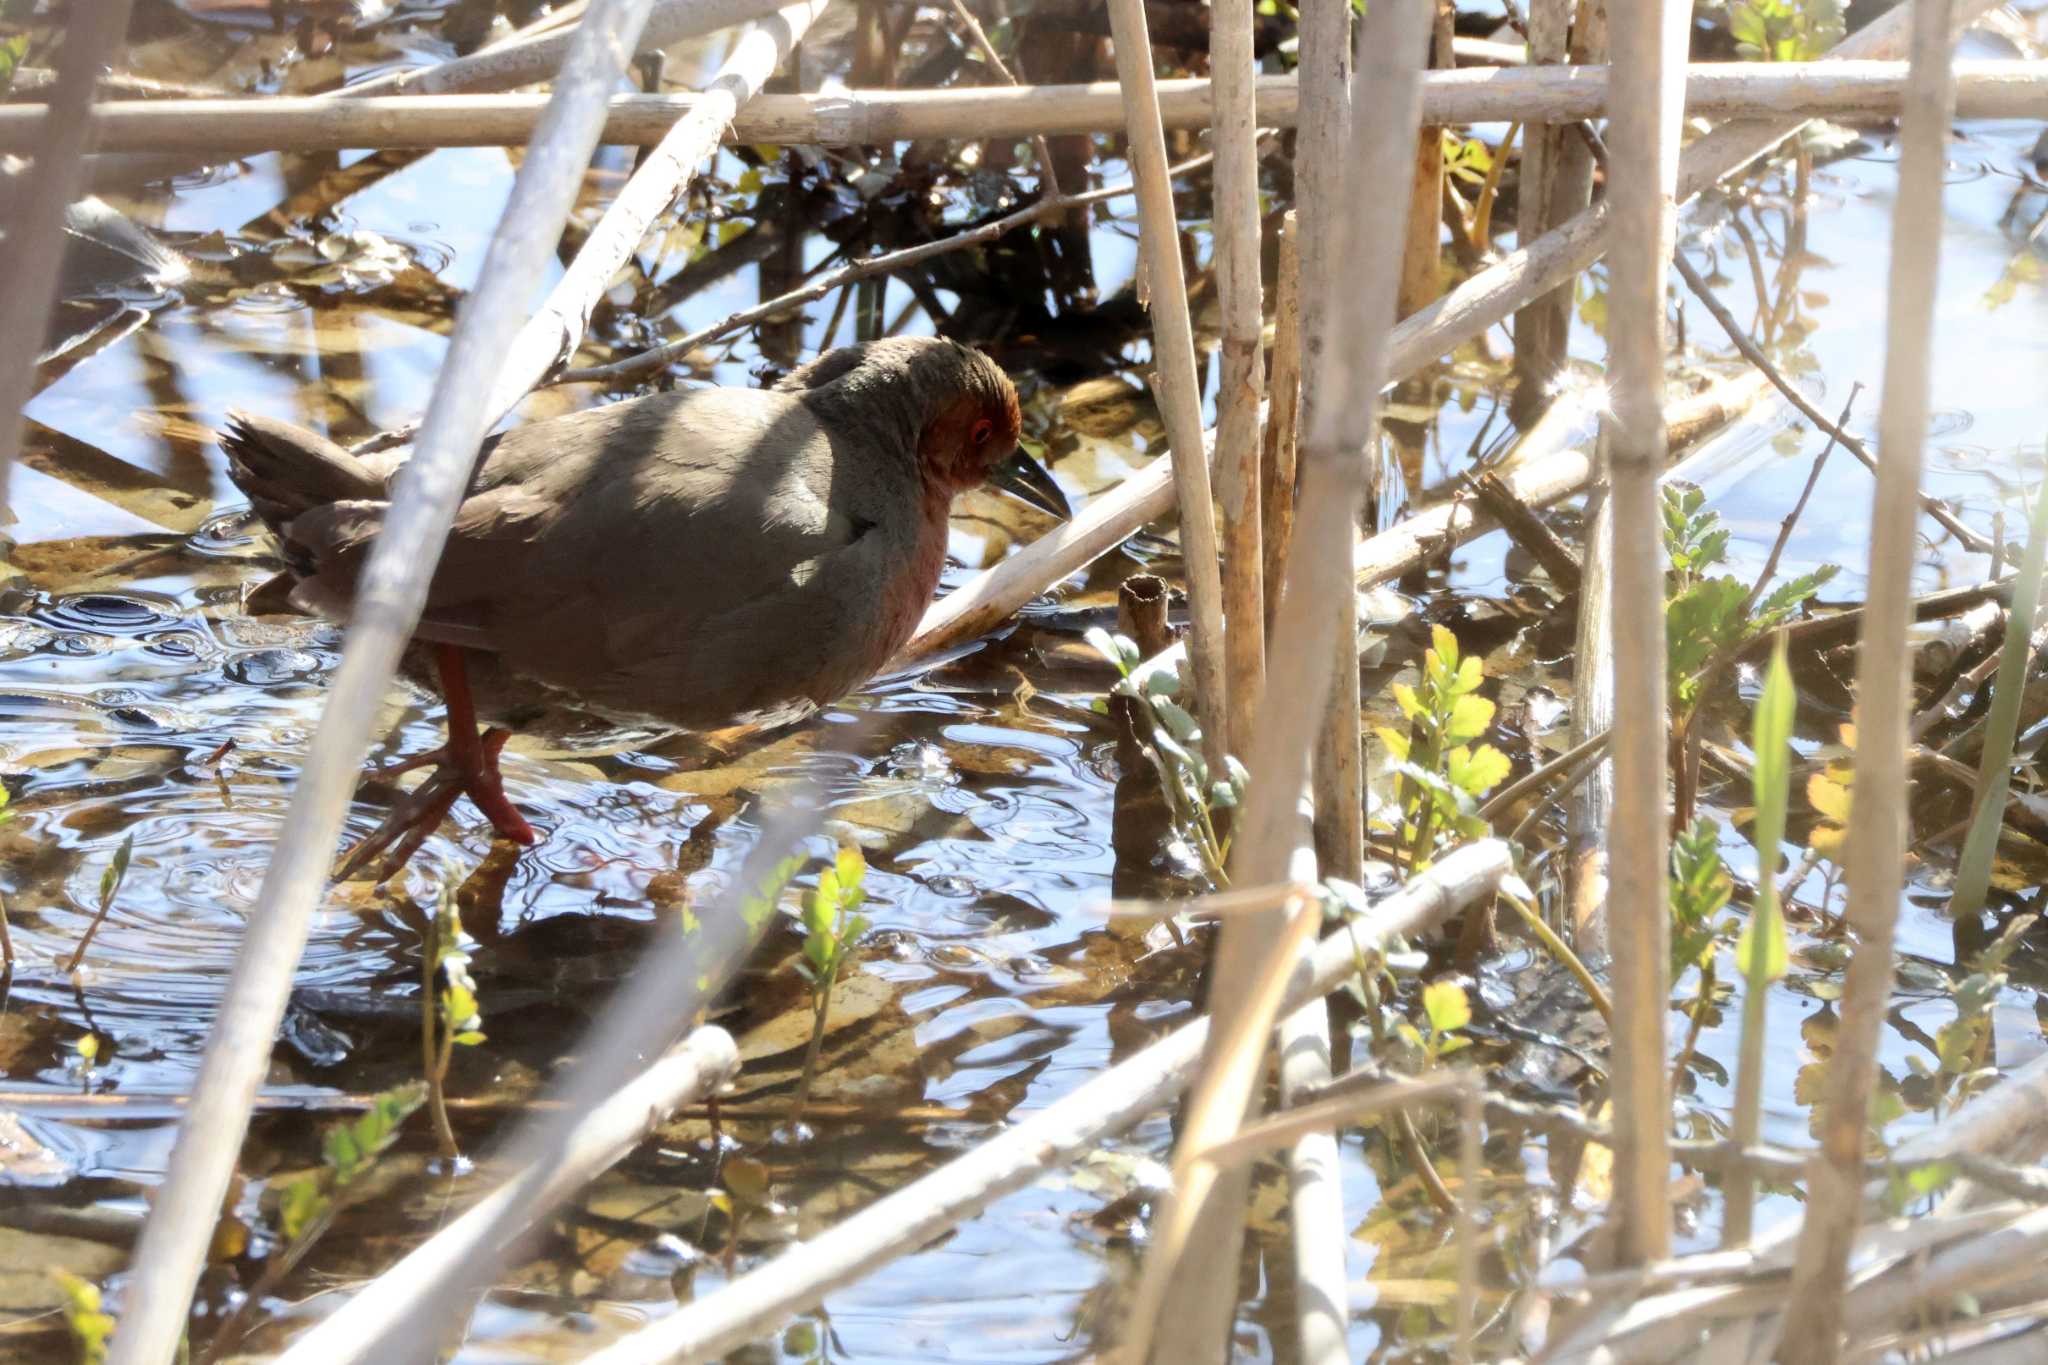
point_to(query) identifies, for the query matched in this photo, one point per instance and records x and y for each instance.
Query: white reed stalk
(1649, 50)
(758, 1302)
(35, 229)
(600, 1138)
(1173, 359)
(394, 584)
(1764, 92)
(556, 329)
(1315, 1177)
(1346, 374)
(1884, 696)
(1481, 301)
(1242, 371)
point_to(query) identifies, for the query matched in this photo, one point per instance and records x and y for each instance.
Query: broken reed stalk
(888, 262)
(1283, 406)
(1173, 355)
(1315, 1183)
(1754, 94)
(173, 1244)
(599, 1138)
(1649, 50)
(1346, 374)
(909, 1219)
(1324, 72)
(557, 327)
(1241, 363)
(1467, 311)
(1877, 825)
(35, 230)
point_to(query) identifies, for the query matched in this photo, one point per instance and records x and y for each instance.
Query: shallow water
(989, 985)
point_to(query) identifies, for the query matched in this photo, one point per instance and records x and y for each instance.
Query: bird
(698, 558)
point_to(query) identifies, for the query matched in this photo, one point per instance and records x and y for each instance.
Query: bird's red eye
(981, 431)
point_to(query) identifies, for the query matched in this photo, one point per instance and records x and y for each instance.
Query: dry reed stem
(1346, 373)
(1421, 247)
(1321, 148)
(669, 990)
(909, 1219)
(1649, 49)
(173, 1244)
(35, 229)
(1752, 95)
(1540, 326)
(1173, 352)
(600, 1137)
(1481, 301)
(1877, 827)
(1538, 482)
(551, 336)
(1241, 367)
(1283, 406)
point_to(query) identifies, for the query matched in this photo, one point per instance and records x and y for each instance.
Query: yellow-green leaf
(1445, 1004)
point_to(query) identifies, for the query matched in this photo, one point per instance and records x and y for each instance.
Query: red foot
(466, 764)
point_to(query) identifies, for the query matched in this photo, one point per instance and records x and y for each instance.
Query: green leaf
(90, 1325)
(301, 1203)
(852, 868)
(1469, 718)
(1175, 718)
(1476, 772)
(110, 880)
(1445, 1004)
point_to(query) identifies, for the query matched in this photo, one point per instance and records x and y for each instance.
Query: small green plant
(110, 885)
(1761, 953)
(309, 1203)
(1784, 30)
(1962, 1046)
(1709, 617)
(1700, 888)
(450, 1016)
(90, 1325)
(1172, 741)
(1442, 774)
(833, 924)
(1445, 1007)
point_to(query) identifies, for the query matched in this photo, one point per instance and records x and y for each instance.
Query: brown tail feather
(287, 470)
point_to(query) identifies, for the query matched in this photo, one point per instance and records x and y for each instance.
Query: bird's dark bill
(1028, 481)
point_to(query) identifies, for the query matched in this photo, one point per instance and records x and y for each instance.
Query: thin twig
(1799, 506)
(1754, 354)
(1049, 184)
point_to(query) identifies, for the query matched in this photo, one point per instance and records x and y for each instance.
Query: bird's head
(965, 405)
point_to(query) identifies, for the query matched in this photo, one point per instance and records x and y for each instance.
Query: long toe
(486, 787)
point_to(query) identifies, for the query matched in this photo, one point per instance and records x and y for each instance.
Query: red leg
(467, 763)
(475, 756)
